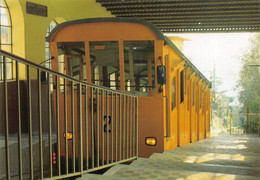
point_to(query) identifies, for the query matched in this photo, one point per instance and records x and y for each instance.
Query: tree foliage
(249, 82)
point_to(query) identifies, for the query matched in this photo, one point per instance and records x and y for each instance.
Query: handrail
(30, 63)
(74, 115)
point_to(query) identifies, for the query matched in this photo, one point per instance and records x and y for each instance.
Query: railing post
(6, 121)
(40, 122)
(20, 155)
(247, 110)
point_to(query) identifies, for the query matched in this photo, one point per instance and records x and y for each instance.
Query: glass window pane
(5, 35)
(71, 57)
(104, 60)
(2, 3)
(182, 87)
(139, 66)
(173, 93)
(4, 16)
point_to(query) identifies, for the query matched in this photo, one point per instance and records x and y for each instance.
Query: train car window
(173, 93)
(71, 60)
(193, 94)
(104, 59)
(139, 66)
(182, 87)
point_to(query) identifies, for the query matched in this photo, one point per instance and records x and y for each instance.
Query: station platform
(225, 156)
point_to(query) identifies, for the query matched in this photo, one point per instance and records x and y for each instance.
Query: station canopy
(191, 15)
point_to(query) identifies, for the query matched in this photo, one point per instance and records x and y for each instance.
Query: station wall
(29, 30)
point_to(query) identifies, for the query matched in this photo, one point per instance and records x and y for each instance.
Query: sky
(222, 49)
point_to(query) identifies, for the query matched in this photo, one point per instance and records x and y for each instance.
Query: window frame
(4, 5)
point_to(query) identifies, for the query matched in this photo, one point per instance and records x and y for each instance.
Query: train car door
(181, 106)
(74, 66)
(203, 116)
(171, 107)
(71, 62)
(193, 109)
(207, 106)
(187, 107)
(199, 110)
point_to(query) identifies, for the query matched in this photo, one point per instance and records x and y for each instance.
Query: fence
(54, 126)
(244, 123)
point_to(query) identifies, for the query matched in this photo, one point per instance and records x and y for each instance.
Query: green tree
(249, 82)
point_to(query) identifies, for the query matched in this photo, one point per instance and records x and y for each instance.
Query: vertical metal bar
(112, 130)
(58, 122)
(102, 128)
(136, 127)
(30, 120)
(73, 128)
(116, 128)
(20, 155)
(107, 126)
(66, 127)
(92, 129)
(120, 129)
(6, 121)
(86, 126)
(40, 121)
(97, 98)
(130, 126)
(134, 130)
(50, 121)
(127, 126)
(123, 124)
(80, 128)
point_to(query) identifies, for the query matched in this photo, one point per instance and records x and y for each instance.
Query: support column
(121, 65)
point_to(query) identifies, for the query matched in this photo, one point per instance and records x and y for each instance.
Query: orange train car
(132, 55)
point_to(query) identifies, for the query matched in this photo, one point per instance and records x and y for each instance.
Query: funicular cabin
(130, 55)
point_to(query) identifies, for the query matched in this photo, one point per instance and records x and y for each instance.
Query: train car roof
(159, 34)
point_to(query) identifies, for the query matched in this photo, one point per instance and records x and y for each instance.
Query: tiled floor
(230, 157)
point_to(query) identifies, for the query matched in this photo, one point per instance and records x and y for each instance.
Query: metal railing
(62, 127)
(244, 123)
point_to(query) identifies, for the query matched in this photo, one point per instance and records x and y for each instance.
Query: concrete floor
(223, 157)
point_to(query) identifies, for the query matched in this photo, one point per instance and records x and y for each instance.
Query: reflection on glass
(173, 93)
(104, 61)
(6, 44)
(139, 66)
(71, 60)
(52, 25)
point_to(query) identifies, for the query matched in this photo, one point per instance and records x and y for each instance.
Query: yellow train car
(133, 56)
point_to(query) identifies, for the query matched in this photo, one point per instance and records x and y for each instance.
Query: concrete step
(176, 165)
(14, 151)
(210, 158)
(243, 150)
(135, 172)
(102, 177)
